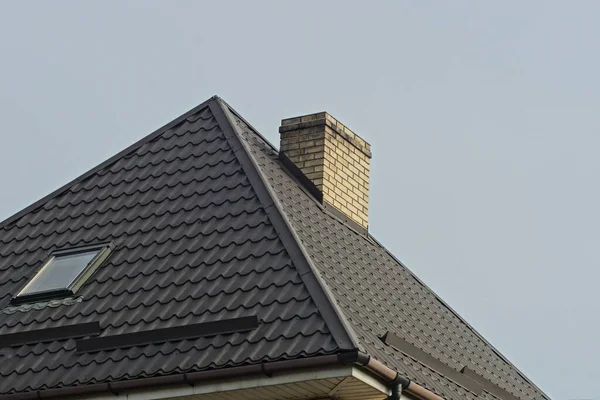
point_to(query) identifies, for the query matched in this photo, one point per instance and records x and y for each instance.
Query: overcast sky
(483, 118)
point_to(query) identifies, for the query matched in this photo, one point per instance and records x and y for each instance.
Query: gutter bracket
(110, 389)
(263, 368)
(186, 379)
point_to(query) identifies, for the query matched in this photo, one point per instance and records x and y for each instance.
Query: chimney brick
(334, 158)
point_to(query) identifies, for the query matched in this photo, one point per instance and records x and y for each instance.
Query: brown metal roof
(208, 226)
(194, 243)
(377, 294)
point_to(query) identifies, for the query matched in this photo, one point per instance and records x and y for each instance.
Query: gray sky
(483, 119)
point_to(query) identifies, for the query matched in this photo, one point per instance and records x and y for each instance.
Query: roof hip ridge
(320, 293)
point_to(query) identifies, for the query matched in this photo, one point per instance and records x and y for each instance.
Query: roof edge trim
(320, 294)
(123, 386)
(494, 349)
(105, 163)
(353, 358)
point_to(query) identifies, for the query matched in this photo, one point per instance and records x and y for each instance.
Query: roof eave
(397, 382)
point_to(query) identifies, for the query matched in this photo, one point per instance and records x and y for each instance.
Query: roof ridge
(106, 163)
(320, 293)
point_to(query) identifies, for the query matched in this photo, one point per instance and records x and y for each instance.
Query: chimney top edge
(325, 119)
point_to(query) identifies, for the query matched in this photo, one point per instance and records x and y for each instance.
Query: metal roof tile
(378, 294)
(197, 237)
(193, 244)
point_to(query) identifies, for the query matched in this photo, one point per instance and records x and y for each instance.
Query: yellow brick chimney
(335, 159)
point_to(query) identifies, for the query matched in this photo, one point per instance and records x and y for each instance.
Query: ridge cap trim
(319, 292)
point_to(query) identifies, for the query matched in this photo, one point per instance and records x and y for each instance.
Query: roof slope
(194, 244)
(209, 225)
(378, 294)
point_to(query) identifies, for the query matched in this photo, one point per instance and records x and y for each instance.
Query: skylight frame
(103, 251)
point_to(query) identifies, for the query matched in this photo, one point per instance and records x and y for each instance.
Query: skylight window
(63, 273)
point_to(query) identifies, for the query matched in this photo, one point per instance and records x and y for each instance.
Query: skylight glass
(62, 271)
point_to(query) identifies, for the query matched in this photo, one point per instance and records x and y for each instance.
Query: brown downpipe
(399, 383)
(362, 360)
